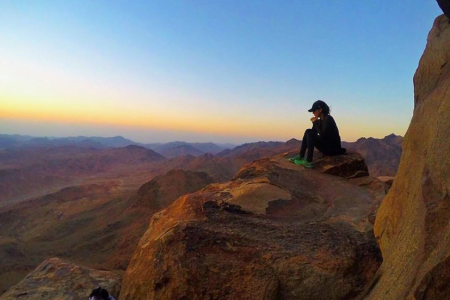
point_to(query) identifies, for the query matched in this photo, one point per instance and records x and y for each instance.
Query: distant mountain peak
(392, 135)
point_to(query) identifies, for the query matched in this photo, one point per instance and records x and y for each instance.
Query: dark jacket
(328, 132)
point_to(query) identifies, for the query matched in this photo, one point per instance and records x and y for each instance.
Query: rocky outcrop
(351, 165)
(275, 231)
(413, 222)
(60, 280)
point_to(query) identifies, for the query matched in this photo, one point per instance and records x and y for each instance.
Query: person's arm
(325, 127)
(317, 125)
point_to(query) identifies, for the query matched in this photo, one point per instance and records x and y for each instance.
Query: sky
(228, 71)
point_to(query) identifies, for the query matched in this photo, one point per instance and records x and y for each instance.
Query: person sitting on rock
(100, 294)
(324, 135)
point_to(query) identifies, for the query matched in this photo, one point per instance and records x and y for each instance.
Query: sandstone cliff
(412, 225)
(275, 231)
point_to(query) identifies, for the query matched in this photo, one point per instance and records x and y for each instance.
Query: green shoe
(300, 162)
(292, 159)
(308, 164)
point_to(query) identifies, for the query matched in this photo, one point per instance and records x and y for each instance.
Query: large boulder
(61, 280)
(413, 222)
(275, 231)
(350, 165)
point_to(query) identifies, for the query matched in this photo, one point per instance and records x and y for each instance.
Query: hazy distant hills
(172, 149)
(179, 150)
(90, 154)
(75, 160)
(7, 141)
(382, 155)
(28, 172)
(31, 166)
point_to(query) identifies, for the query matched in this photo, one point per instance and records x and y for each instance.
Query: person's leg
(305, 143)
(312, 140)
(299, 159)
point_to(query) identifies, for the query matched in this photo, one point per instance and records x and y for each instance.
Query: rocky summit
(275, 231)
(60, 280)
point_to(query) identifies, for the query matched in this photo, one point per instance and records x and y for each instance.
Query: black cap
(317, 105)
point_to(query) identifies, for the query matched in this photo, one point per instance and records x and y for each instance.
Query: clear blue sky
(220, 71)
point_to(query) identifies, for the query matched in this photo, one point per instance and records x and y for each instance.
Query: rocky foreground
(275, 231)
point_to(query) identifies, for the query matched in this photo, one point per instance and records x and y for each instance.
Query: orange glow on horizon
(58, 111)
(102, 112)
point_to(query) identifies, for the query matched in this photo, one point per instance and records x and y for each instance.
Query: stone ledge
(350, 165)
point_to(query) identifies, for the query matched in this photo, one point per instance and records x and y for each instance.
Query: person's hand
(313, 119)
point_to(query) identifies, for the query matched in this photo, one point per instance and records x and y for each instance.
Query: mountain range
(382, 155)
(29, 170)
(166, 149)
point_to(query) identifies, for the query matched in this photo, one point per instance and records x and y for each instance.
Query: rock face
(412, 225)
(275, 231)
(59, 280)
